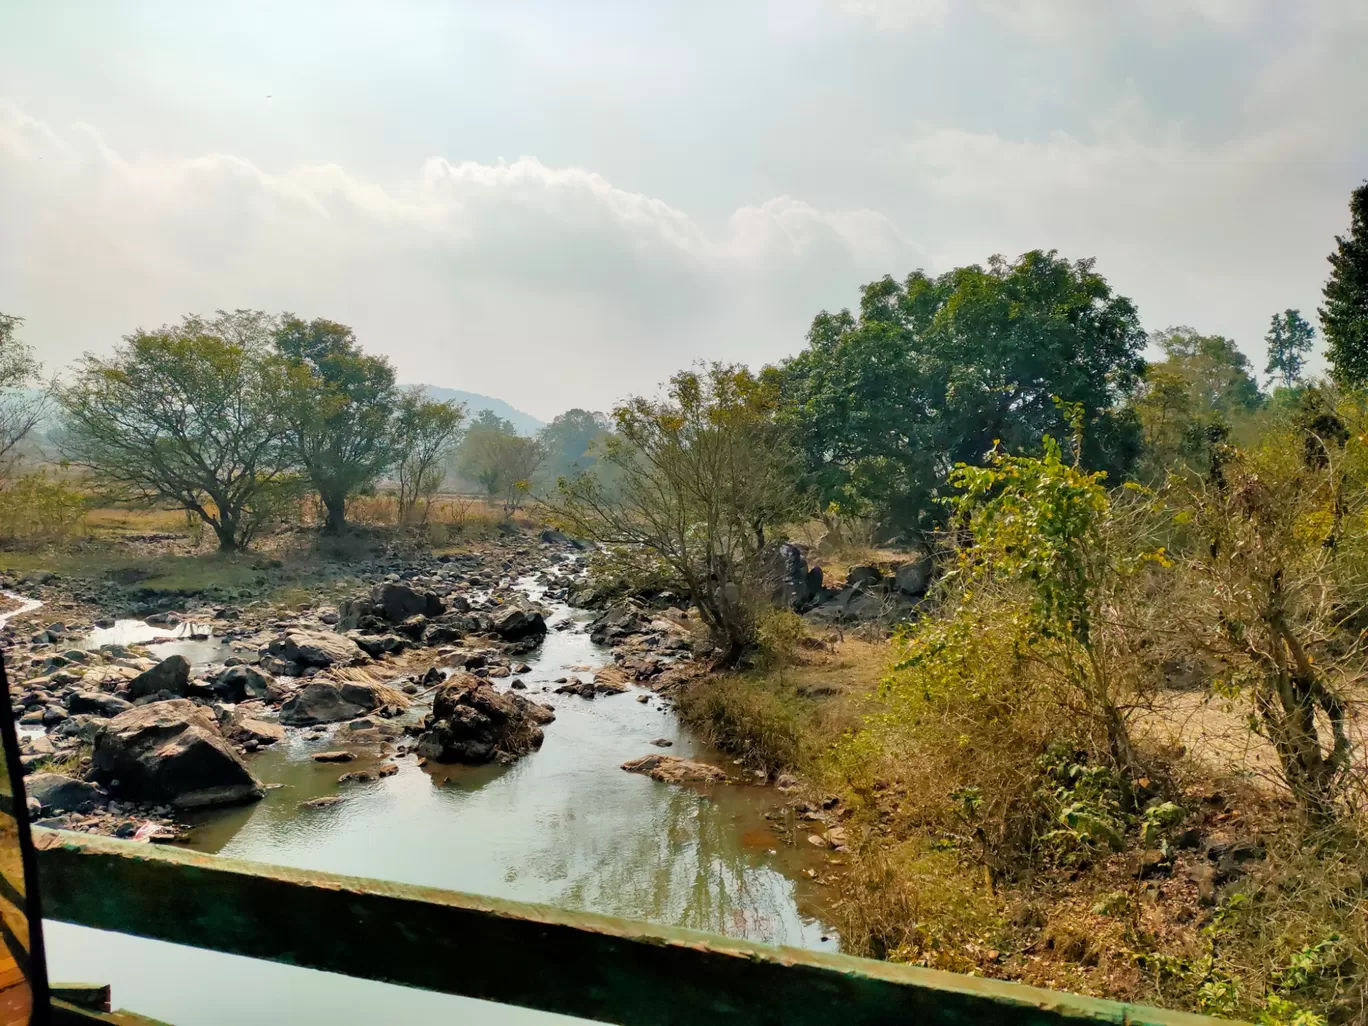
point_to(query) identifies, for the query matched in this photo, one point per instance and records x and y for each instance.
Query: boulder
(397, 602)
(863, 575)
(376, 645)
(912, 579)
(60, 793)
(473, 723)
(83, 726)
(516, 623)
(171, 674)
(672, 769)
(245, 723)
(171, 753)
(241, 683)
(368, 730)
(315, 648)
(96, 703)
(784, 571)
(369, 695)
(318, 702)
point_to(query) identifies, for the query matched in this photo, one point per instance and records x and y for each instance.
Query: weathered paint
(597, 967)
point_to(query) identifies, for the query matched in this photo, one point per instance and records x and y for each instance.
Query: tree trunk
(336, 505)
(226, 530)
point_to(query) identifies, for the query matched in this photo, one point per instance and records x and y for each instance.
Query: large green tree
(184, 415)
(1344, 317)
(1289, 340)
(934, 370)
(568, 439)
(426, 434)
(340, 404)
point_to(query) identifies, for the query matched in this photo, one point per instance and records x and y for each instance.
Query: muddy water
(564, 826)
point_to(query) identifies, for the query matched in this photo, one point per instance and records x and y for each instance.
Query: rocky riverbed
(129, 738)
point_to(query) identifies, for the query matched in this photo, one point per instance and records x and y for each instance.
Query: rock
(863, 575)
(326, 802)
(171, 674)
(368, 730)
(473, 723)
(240, 683)
(370, 696)
(60, 793)
(671, 769)
(95, 703)
(250, 730)
(334, 756)
(315, 648)
(554, 537)
(171, 752)
(784, 571)
(397, 602)
(515, 623)
(376, 645)
(663, 742)
(318, 702)
(83, 726)
(912, 579)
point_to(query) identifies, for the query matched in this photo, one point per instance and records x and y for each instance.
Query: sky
(563, 203)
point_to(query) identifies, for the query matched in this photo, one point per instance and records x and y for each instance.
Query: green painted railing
(596, 967)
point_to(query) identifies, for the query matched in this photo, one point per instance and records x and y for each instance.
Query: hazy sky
(561, 203)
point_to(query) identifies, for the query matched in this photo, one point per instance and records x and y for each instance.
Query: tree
(477, 459)
(184, 415)
(934, 371)
(568, 440)
(22, 405)
(1344, 317)
(1191, 400)
(426, 435)
(339, 403)
(1289, 339)
(702, 475)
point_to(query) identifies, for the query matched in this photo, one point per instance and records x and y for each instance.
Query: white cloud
(467, 274)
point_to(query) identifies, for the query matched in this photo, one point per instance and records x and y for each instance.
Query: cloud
(550, 285)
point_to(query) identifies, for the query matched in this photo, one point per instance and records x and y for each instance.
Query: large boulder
(172, 674)
(912, 579)
(315, 648)
(241, 683)
(370, 695)
(473, 723)
(96, 703)
(60, 793)
(171, 753)
(318, 702)
(785, 573)
(516, 623)
(397, 602)
(246, 724)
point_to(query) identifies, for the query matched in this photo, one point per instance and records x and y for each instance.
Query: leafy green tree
(1344, 317)
(426, 433)
(1289, 340)
(569, 438)
(22, 405)
(701, 475)
(476, 458)
(185, 415)
(1191, 400)
(339, 403)
(934, 371)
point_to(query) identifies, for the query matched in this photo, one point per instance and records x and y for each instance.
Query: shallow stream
(564, 826)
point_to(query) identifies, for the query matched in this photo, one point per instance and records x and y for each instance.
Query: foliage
(778, 632)
(573, 442)
(37, 507)
(934, 371)
(338, 403)
(22, 405)
(1273, 557)
(500, 459)
(703, 474)
(185, 415)
(426, 433)
(1289, 340)
(1344, 317)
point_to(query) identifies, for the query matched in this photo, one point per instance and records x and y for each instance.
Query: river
(564, 826)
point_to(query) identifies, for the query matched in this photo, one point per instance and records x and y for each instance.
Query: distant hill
(525, 423)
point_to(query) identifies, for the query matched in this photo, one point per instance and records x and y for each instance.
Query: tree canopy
(338, 402)
(185, 415)
(934, 371)
(1289, 340)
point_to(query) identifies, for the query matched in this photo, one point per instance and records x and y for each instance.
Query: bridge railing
(595, 967)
